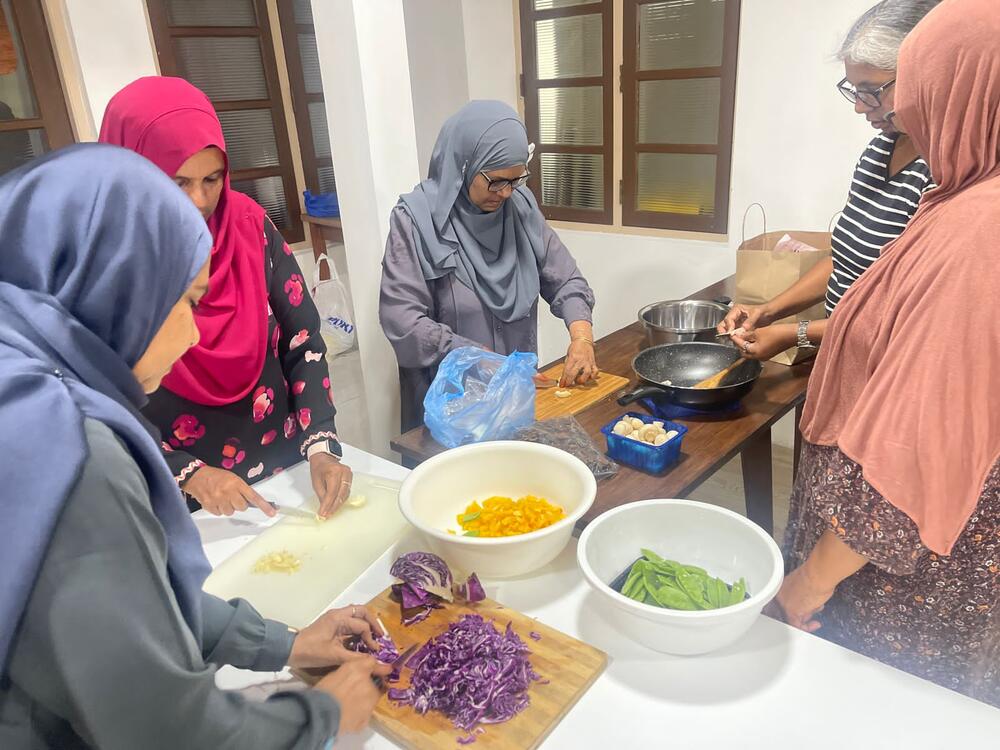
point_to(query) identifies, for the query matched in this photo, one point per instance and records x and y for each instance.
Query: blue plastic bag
(478, 395)
(321, 204)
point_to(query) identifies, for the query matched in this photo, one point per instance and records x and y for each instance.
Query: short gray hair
(876, 37)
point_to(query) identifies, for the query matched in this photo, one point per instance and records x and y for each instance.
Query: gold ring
(344, 481)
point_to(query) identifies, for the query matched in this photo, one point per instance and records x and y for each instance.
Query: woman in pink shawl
(253, 397)
(894, 535)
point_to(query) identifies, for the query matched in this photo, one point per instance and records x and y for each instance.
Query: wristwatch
(320, 446)
(802, 341)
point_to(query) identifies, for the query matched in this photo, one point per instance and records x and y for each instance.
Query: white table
(776, 688)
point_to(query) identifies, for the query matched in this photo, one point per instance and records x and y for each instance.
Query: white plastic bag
(330, 296)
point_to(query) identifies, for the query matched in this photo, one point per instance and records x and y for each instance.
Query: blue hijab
(98, 245)
(495, 254)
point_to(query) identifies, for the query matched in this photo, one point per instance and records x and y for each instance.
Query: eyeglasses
(890, 117)
(498, 186)
(868, 98)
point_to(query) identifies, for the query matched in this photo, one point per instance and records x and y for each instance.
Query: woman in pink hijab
(253, 397)
(894, 535)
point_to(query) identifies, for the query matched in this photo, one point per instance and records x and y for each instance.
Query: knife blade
(294, 512)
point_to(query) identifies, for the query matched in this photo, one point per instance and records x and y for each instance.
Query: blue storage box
(323, 204)
(653, 459)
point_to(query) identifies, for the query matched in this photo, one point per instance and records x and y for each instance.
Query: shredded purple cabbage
(472, 590)
(535, 636)
(472, 673)
(466, 740)
(387, 652)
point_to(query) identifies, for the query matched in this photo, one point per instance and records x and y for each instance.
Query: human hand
(581, 364)
(353, 687)
(764, 343)
(331, 481)
(801, 598)
(222, 493)
(747, 317)
(321, 644)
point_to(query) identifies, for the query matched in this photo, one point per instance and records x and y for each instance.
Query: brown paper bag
(762, 274)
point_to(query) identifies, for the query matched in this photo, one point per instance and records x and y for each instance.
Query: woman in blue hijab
(106, 638)
(468, 255)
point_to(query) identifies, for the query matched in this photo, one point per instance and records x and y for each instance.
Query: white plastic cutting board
(333, 553)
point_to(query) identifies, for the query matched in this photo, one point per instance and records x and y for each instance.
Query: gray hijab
(496, 254)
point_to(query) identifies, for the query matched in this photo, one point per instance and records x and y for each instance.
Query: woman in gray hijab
(468, 255)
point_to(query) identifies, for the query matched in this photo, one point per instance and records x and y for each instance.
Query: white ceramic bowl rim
(766, 593)
(590, 485)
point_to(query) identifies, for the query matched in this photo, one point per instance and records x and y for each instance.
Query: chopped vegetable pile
(502, 516)
(277, 562)
(423, 580)
(472, 673)
(671, 585)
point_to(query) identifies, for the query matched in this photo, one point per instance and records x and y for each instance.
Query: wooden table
(323, 229)
(711, 441)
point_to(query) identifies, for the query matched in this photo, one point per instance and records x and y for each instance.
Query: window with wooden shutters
(567, 56)
(299, 39)
(678, 90)
(33, 114)
(224, 47)
(677, 87)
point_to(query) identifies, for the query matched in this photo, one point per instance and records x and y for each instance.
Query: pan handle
(641, 392)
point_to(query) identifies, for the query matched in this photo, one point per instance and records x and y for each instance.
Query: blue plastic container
(323, 204)
(653, 459)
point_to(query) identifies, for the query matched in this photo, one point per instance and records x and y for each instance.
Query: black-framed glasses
(498, 186)
(890, 117)
(868, 98)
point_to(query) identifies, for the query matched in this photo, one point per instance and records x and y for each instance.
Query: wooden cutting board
(548, 405)
(571, 667)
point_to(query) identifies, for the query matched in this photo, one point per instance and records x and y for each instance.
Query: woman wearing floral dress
(894, 535)
(253, 397)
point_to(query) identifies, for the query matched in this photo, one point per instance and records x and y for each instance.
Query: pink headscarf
(168, 120)
(906, 381)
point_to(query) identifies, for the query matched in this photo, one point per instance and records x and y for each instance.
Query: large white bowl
(442, 487)
(724, 543)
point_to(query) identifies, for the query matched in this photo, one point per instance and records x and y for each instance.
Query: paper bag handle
(763, 214)
(833, 221)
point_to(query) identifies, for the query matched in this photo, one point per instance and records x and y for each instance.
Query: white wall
(438, 77)
(363, 54)
(490, 49)
(113, 45)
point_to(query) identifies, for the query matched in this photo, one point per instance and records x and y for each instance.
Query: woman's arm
(570, 298)
(103, 645)
(406, 305)
(803, 294)
(301, 348)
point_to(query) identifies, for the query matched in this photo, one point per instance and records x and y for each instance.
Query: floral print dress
(289, 409)
(932, 615)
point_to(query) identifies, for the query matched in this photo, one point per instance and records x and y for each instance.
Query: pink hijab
(906, 381)
(168, 120)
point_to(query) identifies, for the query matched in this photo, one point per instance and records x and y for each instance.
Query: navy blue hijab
(96, 247)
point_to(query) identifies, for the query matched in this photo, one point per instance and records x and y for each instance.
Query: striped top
(877, 211)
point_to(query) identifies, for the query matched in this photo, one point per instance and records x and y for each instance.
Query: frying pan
(687, 363)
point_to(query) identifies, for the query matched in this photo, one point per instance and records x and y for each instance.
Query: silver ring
(746, 347)
(354, 612)
(344, 481)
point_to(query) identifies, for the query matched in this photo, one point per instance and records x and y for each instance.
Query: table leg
(797, 450)
(757, 486)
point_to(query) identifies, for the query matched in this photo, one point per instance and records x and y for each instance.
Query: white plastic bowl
(724, 543)
(442, 487)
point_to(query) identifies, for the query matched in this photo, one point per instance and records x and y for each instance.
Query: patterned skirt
(931, 615)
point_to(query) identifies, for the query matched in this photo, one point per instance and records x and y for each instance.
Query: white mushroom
(563, 394)
(660, 439)
(623, 428)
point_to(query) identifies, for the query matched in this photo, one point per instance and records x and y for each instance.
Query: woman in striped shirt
(888, 182)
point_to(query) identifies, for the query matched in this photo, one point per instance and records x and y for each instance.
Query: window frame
(530, 85)
(301, 99)
(164, 35)
(29, 22)
(631, 76)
